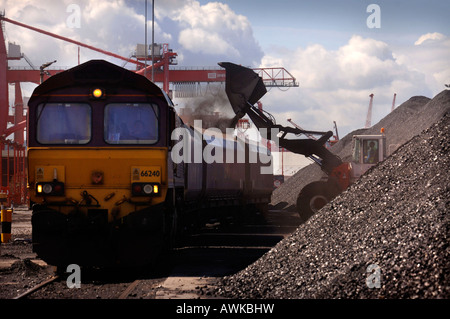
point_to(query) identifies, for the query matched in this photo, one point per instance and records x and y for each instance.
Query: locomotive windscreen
(64, 123)
(131, 123)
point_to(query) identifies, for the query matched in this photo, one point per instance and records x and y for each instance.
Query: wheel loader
(244, 88)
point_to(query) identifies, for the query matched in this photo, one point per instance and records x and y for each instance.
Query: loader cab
(368, 150)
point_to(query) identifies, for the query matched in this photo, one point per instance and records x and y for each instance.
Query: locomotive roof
(96, 72)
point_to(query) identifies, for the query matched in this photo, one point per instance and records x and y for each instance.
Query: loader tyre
(312, 198)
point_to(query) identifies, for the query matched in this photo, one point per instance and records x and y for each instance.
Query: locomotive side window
(63, 123)
(131, 123)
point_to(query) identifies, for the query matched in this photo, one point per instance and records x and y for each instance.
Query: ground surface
(189, 272)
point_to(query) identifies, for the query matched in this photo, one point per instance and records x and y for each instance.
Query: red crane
(393, 102)
(272, 77)
(162, 73)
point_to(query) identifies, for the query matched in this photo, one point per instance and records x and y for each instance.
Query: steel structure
(272, 77)
(393, 102)
(13, 171)
(16, 123)
(369, 112)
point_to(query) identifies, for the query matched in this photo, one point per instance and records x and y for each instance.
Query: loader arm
(244, 88)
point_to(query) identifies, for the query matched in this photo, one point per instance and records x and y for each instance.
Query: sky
(340, 52)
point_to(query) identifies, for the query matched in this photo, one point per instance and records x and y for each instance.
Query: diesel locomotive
(104, 187)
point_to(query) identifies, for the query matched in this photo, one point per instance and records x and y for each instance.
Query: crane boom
(71, 41)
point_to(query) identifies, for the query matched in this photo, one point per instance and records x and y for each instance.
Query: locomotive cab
(97, 164)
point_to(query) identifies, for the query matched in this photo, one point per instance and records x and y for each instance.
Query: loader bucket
(242, 85)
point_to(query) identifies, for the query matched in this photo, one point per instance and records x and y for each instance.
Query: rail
(36, 288)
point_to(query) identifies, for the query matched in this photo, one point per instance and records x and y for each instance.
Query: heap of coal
(407, 120)
(386, 236)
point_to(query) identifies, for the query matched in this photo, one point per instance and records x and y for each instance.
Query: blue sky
(331, 23)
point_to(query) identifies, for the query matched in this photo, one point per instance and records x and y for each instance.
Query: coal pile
(387, 236)
(406, 121)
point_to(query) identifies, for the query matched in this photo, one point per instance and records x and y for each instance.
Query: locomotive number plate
(146, 174)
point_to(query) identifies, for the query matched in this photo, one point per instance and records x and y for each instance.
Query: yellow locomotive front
(98, 167)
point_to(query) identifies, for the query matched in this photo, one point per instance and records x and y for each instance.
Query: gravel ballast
(384, 237)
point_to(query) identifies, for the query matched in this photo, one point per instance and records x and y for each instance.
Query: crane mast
(393, 102)
(275, 77)
(369, 112)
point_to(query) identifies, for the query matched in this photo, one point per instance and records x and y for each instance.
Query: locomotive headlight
(148, 189)
(97, 93)
(54, 188)
(145, 189)
(47, 188)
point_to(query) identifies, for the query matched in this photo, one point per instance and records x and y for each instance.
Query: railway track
(37, 287)
(123, 295)
(127, 292)
(188, 272)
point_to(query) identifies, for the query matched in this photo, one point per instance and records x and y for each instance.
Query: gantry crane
(272, 77)
(244, 88)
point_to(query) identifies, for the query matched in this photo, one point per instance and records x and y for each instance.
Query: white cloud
(107, 25)
(335, 84)
(200, 34)
(198, 40)
(429, 56)
(214, 29)
(430, 37)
